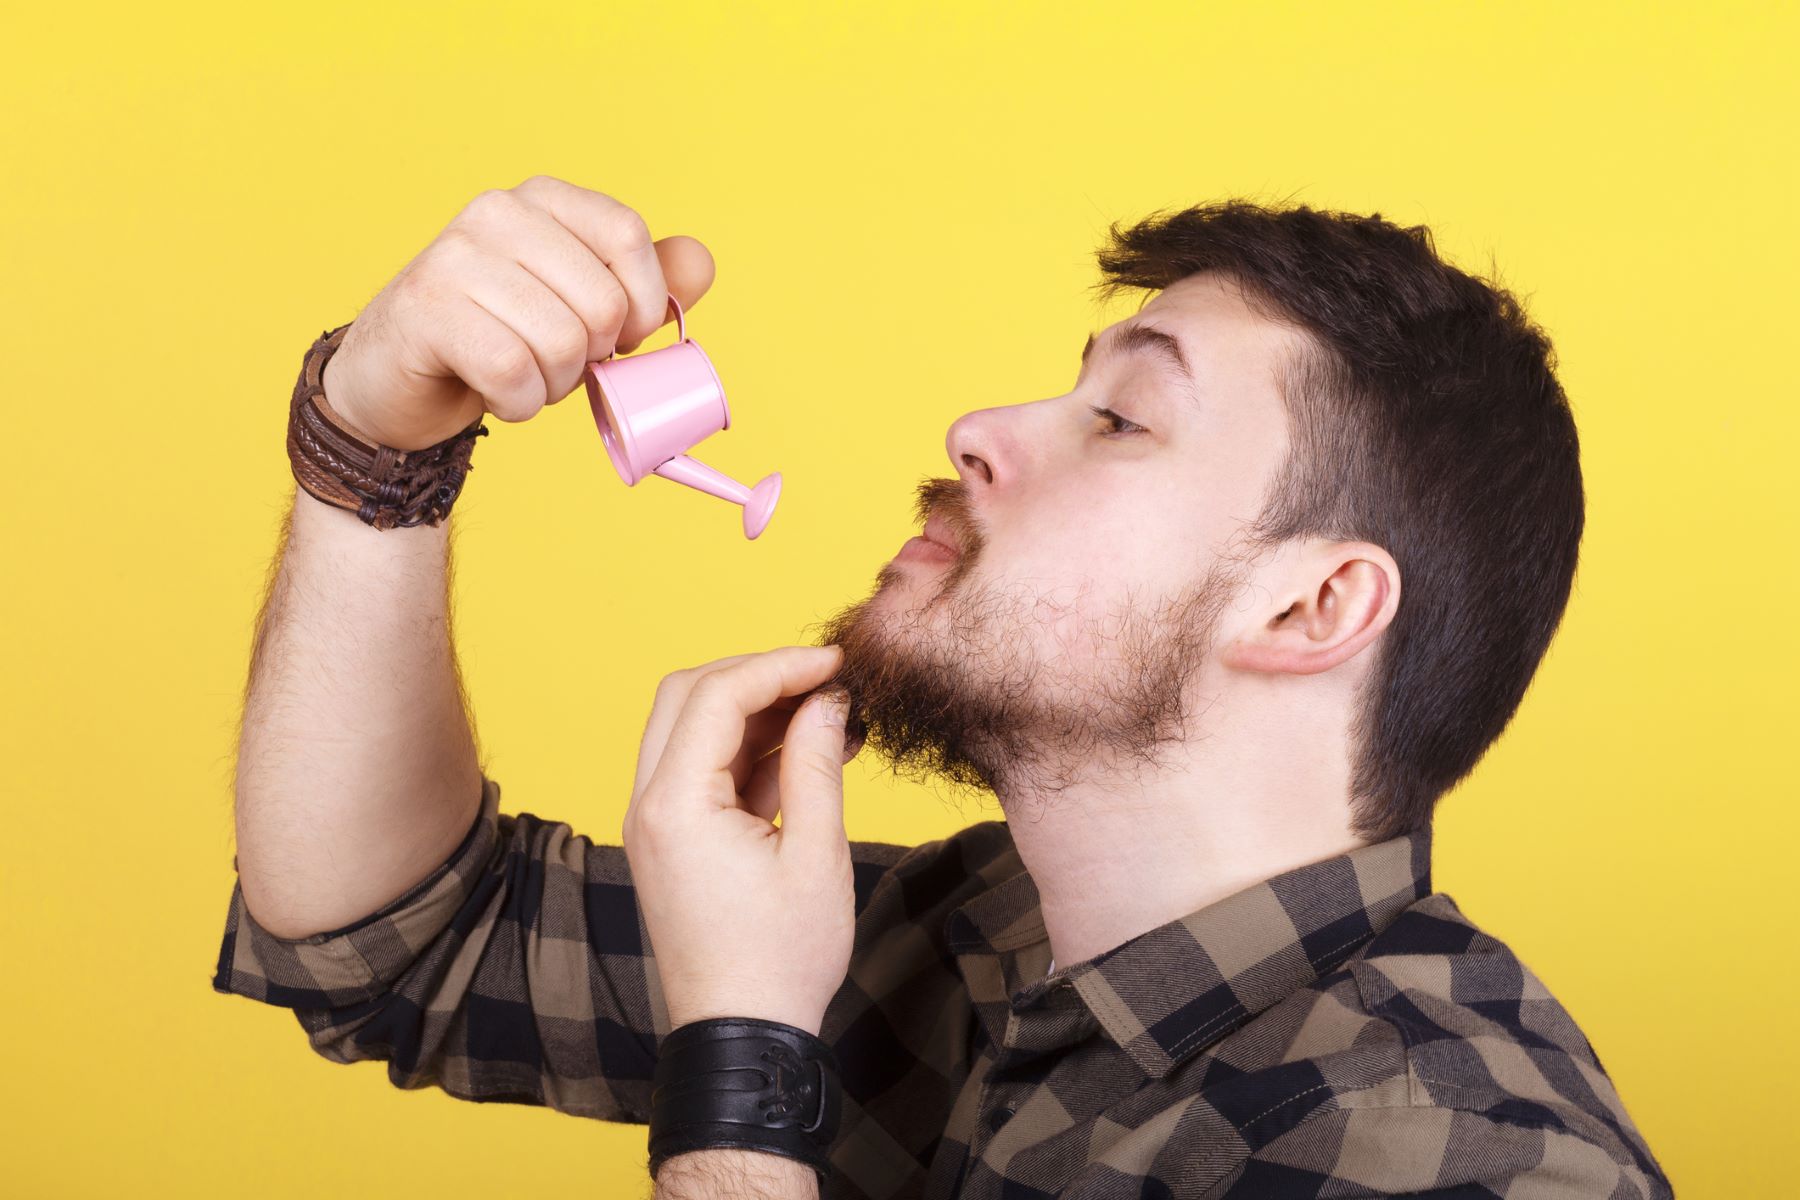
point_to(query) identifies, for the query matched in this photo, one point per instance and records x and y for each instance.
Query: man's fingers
(666, 706)
(619, 237)
(762, 793)
(489, 356)
(762, 733)
(761, 790)
(812, 772)
(711, 727)
(575, 273)
(556, 334)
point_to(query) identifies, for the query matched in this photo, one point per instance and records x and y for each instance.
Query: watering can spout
(758, 502)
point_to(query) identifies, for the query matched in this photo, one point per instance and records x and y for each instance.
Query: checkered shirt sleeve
(519, 970)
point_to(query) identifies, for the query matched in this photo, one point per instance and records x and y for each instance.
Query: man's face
(1096, 569)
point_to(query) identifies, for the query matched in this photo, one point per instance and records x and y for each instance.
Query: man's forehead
(1206, 302)
(1213, 327)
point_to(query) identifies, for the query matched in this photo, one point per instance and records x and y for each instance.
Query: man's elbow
(284, 915)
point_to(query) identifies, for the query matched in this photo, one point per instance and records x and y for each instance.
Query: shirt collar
(1168, 993)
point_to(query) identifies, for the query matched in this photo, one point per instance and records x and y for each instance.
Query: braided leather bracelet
(385, 487)
(748, 1083)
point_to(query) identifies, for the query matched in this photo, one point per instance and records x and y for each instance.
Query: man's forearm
(730, 1174)
(357, 769)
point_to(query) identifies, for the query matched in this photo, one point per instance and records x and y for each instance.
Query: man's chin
(906, 698)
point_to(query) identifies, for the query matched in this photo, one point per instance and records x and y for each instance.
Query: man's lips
(938, 530)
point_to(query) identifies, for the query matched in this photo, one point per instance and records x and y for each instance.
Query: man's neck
(1116, 857)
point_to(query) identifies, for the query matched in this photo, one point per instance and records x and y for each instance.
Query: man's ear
(1331, 600)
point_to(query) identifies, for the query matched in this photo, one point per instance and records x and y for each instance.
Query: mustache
(948, 499)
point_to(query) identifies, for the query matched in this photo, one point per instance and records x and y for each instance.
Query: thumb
(812, 770)
(688, 270)
(687, 267)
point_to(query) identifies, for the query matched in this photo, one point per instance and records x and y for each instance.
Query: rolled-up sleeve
(519, 970)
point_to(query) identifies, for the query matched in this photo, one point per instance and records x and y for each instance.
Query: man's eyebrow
(1134, 336)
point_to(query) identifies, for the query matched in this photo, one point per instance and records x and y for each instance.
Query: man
(1218, 627)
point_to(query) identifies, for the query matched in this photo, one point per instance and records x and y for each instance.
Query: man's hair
(1426, 418)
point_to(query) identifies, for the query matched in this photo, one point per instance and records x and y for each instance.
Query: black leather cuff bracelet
(747, 1083)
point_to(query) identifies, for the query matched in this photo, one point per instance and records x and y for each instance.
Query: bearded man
(1217, 628)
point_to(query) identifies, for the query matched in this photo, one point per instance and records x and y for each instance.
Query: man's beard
(972, 699)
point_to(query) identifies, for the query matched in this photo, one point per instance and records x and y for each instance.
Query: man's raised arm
(357, 769)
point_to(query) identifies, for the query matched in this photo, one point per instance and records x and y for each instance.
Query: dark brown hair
(1427, 419)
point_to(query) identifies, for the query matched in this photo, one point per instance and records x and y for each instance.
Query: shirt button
(999, 1117)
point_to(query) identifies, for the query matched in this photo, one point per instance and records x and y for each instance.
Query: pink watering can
(653, 408)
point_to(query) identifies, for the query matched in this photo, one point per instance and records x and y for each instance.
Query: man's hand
(504, 309)
(746, 919)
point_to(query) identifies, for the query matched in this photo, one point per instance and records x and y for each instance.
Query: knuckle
(513, 389)
(612, 305)
(712, 686)
(612, 301)
(513, 365)
(537, 183)
(628, 226)
(491, 206)
(454, 243)
(570, 342)
(451, 256)
(674, 684)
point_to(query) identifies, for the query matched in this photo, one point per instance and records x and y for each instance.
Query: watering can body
(652, 408)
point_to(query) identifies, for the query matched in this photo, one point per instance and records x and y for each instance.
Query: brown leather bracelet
(385, 487)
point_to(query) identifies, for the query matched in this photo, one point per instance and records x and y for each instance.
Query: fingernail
(834, 711)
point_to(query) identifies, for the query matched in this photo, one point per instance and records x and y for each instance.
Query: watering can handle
(680, 325)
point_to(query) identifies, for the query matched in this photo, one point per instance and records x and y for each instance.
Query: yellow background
(903, 203)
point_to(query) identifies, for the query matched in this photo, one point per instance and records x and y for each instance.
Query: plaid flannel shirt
(1339, 1030)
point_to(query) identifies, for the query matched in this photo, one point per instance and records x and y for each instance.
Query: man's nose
(976, 444)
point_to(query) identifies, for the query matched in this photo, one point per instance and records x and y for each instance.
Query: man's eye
(1118, 426)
